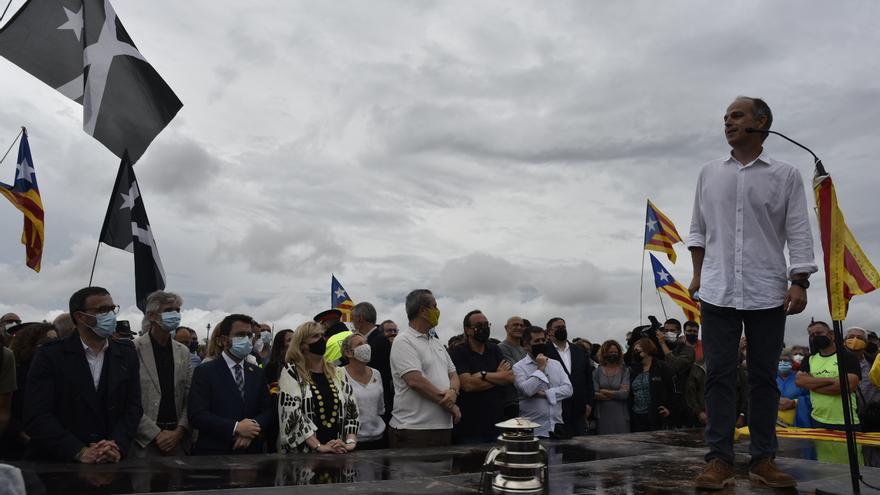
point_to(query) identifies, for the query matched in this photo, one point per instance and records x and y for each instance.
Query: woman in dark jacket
(273, 371)
(650, 385)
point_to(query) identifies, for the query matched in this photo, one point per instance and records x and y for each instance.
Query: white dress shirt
(744, 215)
(545, 411)
(95, 360)
(565, 354)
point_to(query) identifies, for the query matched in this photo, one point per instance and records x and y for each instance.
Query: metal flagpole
(641, 287)
(661, 304)
(11, 145)
(95, 262)
(846, 402)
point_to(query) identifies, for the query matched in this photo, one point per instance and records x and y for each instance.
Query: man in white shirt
(542, 383)
(748, 207)
(425, 381)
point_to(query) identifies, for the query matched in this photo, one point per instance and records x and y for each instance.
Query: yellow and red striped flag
(848, 272)
(660, 233)
(679, 294)
(339, 299)
(25, 195)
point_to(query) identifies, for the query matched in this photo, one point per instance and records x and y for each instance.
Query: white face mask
(798, 358)
(362, 353)
(671, 336)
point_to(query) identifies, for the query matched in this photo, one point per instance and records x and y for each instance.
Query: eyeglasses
(103, 309)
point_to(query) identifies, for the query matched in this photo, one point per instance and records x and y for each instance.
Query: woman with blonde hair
(317, 410)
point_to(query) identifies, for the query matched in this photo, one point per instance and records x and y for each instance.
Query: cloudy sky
(499, 153)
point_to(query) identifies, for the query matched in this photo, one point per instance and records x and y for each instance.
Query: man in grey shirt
(748, 208)
(513, 351)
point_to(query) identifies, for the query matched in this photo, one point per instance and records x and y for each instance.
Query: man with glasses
(389, 328)
(229, 400)
(483, 373)
(577, 365)
(84, 399)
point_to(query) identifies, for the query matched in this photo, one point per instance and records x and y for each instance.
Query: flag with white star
(126, 227)
(80, 48)
(25, 195)
(666, 283)
(339, 299)
(660, 233)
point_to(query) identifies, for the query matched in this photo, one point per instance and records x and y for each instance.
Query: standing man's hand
(795, 301)
(695, 286)
(541, 361)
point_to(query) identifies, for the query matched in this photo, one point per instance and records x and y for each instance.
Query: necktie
(239, 379)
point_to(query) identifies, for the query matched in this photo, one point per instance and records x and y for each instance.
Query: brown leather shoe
(715, 476)
(766, 472)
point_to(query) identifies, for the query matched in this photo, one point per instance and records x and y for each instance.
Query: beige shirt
(415, 351)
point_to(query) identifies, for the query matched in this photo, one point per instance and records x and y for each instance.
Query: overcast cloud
(499, 153)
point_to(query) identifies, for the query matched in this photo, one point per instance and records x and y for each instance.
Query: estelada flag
(848, 272)
(25, 195)
(666, 283)
(660, 233)
(339, 299)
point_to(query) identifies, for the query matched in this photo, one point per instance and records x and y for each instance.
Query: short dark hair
(467, 318)
(78, 299)
(760, 108)
(818, 323)
(225, 326)
(366, 311)
(673, 321)
(647, 346)
(691, 324)
(553, 320)
(527, 334)
(415, 301)
(382, 325)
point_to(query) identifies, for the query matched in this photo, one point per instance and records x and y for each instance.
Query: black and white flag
(80, 48)
(126, 227)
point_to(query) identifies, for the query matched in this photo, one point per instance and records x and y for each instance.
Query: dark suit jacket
(215, 405)
(581, 376)
(380, 359)
(63, 411)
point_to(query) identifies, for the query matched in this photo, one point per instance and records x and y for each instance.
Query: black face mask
(820, 342)
(481, 334)
(561, 334)
(692, 338)
(193, 346)
(612, 358)
(871, 348)
(319, 347)
(539, 349)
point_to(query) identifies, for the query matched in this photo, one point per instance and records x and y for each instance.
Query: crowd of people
(86, 389)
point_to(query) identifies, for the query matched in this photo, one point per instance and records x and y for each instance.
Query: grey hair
(850, 329)
(364, 310)
(346, 344)
(154, 303)
(787, 353)
(415, 301)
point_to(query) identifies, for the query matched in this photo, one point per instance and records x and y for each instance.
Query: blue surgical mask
(784, 367)
(267, 338)
(241, 347)
(170, 321)
(105, 324)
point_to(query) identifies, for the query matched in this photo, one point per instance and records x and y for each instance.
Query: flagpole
(95, 262)
(4, 13)
(641, 287)
(13, 144)
(846, 401)
(662, 306)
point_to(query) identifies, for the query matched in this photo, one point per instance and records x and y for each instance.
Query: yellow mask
(433, 316)
(855, 344)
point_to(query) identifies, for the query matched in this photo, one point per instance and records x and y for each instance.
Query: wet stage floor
(643, 463)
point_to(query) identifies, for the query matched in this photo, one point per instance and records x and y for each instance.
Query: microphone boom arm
(820, 169)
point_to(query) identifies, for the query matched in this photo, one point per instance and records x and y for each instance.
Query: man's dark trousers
(764, 331)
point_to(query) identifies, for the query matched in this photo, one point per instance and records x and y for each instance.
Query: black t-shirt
(849, 360)
(325, 408)
(164, 357)
(479, 410)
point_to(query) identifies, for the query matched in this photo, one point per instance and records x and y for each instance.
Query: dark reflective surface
(649, 463)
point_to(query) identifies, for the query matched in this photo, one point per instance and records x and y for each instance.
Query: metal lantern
(519, 464)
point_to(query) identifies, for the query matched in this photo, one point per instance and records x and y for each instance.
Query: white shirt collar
(762, 158)
(229, 361)
(89, 349)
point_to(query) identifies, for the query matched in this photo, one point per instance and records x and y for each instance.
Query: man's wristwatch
(801, 282)
(483, 374)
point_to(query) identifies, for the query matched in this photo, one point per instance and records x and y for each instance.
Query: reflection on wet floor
(657, 462)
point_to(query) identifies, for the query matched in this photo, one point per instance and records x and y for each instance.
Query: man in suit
(229, 402)
(165, 378)
(363, 316)
(576, 409)
(84, 400)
